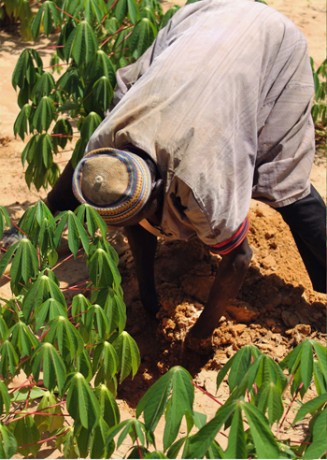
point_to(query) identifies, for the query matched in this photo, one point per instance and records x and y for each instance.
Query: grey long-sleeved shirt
(221, 102)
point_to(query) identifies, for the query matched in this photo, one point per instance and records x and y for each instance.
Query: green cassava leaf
(44, 86)
(23, 339)
(8, 359)
(47, 311)
(108, 405)
(52, 418)
(47, 19)
(66, 337)
(48, 360)
(41, 290)
(24, 265)
(181, 403)
(142, 37)
(44, 114)
(128, 355)
(22, 122)
(92, 218)
(105, 361)
(82, 403)
(83, 43)
(76, 232)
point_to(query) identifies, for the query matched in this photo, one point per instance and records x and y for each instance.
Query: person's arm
(143, 246)
(229, 278)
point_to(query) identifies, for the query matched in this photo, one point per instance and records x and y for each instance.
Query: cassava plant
(73, 354)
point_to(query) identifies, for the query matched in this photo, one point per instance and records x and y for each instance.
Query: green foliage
(319, 109)
(17, 11)
(94, 39)
(75, 352)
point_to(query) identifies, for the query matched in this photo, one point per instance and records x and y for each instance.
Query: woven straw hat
(115, 182)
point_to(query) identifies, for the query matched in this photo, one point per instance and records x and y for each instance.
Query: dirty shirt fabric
(221, 103)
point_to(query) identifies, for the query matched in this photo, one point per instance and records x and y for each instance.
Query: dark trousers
(307, 221)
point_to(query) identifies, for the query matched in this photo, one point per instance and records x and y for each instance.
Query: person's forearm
(61, 197)
(143, 246)
(227, 283)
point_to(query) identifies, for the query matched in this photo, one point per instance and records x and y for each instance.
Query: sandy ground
(281, 307)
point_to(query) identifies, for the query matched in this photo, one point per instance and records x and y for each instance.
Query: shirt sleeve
(227, 246)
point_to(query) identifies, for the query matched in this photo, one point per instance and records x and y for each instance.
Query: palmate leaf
(97, 320)
(108, 405)
(25, 265)
(103, 66)
(318, 447)
(82, 404)
(142, 37)
(115, 309)
(105, 361)
(76, 232)
(39, 154)
(238, 366)
(128, 355)
(33, 223)
(41, 290)
(92, 219)
(181, 403)
(66, 337)
(80, 306)
(270, 399)
(48, 360)
(23, 339)
(47, 18)
(101, 269)
(102, 93)
(177, 385)
(29, 64)
(300, 364)
(44, 86)
(53, 420)
(71, 84)
(82, 44)
(89, 125)
(27, 435)
(21, 125)
(44, 114)
(8, 443)
(47, 311)
(8, 359)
